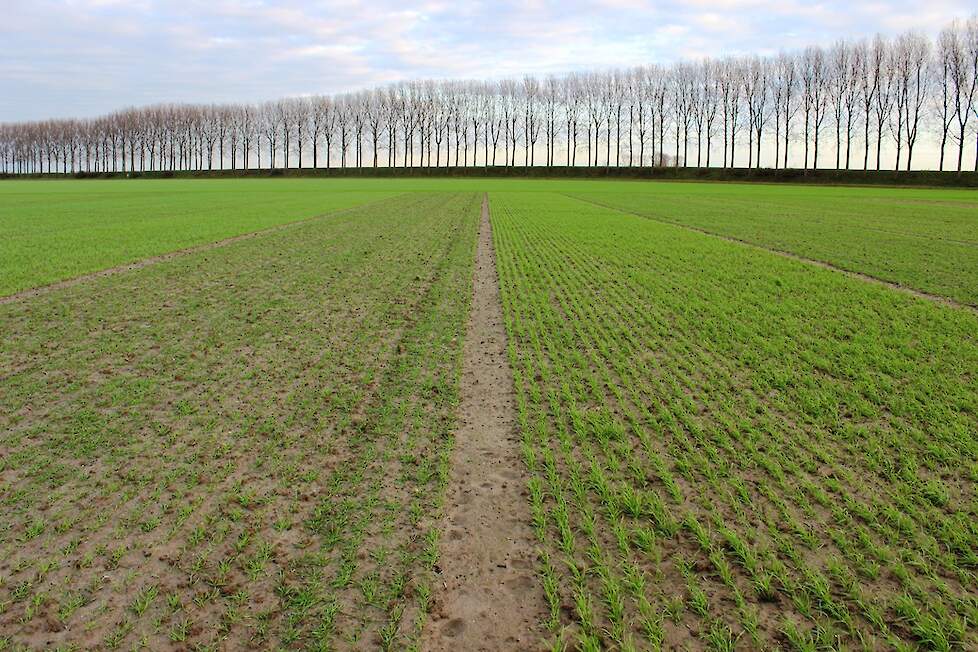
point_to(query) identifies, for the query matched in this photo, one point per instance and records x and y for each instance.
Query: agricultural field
(56, 231)
(922, 239)
(255, 443)
(236, 448)
(731, 449)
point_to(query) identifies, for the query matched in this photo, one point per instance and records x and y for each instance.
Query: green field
(728, 445)
(724, 448)
(56, 231)
(924, 239)
(238, 445)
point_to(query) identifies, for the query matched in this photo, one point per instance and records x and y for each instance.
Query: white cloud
(65, 57)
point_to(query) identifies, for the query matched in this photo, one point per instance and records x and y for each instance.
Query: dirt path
(920, 294)
(153, 260)
(487, 595)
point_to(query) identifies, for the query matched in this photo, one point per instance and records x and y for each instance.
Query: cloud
(84, 57)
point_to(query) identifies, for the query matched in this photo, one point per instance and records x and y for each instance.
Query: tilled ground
(730, 449)
(486, 594)
(240, 447)
(310, 438)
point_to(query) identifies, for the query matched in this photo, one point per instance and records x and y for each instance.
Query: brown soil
(224, 463)
(487, 596)
(920, 294)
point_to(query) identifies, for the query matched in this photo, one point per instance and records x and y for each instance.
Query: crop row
(55, 231)
(926, 240)
(237, 448)
(729, 449)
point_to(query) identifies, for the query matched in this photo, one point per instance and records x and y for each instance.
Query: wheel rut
(486, 595)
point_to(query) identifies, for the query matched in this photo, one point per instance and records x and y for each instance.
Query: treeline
(858, 177)
(867, 103)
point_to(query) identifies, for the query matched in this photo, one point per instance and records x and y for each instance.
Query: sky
(81, 58)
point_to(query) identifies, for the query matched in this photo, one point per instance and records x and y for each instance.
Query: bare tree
(572, 96)
(881, 56)
(851, 97)
(345, 108)
(661, 112)
(842, 93)
(756, 92)
(614, 101)
(731, 84)
(869, 82)
(234, 133)
(641, 112)
(972, 32)
(814, 98)
(375, 111)
(911, 54)
(965, 82)
(531, 117)
(301, 114)
(271, 129)
(591, 98)
(683, 92)
(705, 104)
(950, 51)
(494, 126)
(392, 111)
(550, 97)
(786, 88)
(895, 88)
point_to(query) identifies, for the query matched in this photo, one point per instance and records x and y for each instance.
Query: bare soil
(225, 513)
(487, 596)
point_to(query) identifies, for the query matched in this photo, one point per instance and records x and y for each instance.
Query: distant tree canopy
(835, 107)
